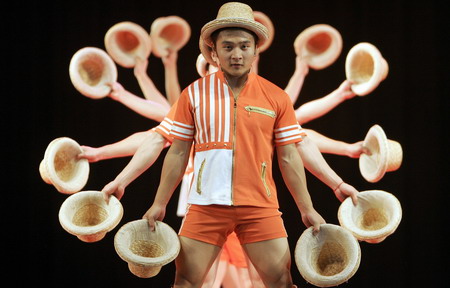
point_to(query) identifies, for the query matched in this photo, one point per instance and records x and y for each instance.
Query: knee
(188, 281)
(281, 279)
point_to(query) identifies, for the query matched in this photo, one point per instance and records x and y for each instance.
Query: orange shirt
(234, 138)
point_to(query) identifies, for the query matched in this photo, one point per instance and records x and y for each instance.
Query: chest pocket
(260, 110)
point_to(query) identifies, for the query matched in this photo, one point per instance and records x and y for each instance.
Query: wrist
(338, 186)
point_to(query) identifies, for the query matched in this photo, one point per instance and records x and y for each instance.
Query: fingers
(106, 196)
(316, 228)
(355, 199)
(151, 221)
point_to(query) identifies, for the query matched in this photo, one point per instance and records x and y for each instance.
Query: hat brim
(320, 45)
(171, 32)
(91, 70)
(87, 215)
(125, 41)
(365, 68)
(163, 235)
(259, 29)
(376, 216)
(265, 20)
(344, 251)
(374, 166)
(62, 167)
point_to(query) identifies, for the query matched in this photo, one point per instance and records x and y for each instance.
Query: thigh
(194, 261)
(272, 260)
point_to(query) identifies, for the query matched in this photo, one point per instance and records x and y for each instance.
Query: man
(236, 120)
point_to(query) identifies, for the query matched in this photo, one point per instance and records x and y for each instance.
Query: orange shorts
(213, 223)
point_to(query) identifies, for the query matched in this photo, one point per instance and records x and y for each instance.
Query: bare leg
(272, 260)
(193, 262)
(215, 274)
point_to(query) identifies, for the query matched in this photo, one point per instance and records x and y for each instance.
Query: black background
(40, 104)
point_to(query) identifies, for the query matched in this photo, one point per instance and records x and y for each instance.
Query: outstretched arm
(147, 86)
(122, 148)
(316, 164)
(291, 167)
(173, 170)
(146, 108)
(295, 84)
(331, 146)
(319, 107)
(144, 157)
(172, 84)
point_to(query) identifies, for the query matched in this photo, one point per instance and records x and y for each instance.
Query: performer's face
(235, 51)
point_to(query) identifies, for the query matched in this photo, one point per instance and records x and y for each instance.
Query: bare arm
(295, 84)
(331, 146)
(319, 107)
(122, 148)
(172, 84)
(173, 170)
(291, 167)
(316, 164)
(144, 107)
(144, 157)
(149, 89)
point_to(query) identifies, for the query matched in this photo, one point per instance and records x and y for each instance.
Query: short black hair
(215, 34)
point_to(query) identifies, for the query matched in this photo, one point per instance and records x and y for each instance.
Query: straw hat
(146, 251)
(127, 40)
(365, 67)
(386, 155)
(235, 14)
(87, 215)
(329, 258)
(376, 216)
(171, 32)
(62, 168)
(265, 20)
(90, 70)
(320, 45)
(206, 52)
(203, 67)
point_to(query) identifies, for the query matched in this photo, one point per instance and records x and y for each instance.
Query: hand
(312, 218)
(90, 153)
(113, 188)
(140, 68)
(345, 190)
(117, 91)
(345, 90)
(301, 65)
(170, 59)
(356, 149)
(156, 212)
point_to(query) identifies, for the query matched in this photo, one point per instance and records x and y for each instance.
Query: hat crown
(235, 10)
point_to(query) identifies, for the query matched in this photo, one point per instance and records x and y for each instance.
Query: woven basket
(146, 251)
(365, 68)
(329, 258)
(125, 41)
(87, 215)
(319, 44)
(171, 32)
(91, 70)
(376, 216)
(62, 168)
